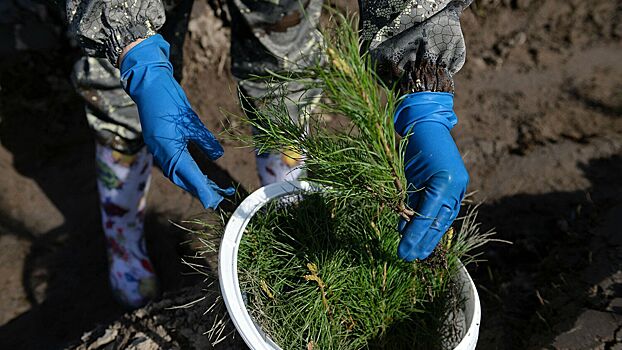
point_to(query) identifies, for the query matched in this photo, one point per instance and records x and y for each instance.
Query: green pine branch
(362, 161)
(322, 272)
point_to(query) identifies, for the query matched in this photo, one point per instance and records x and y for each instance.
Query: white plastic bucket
(252, 334)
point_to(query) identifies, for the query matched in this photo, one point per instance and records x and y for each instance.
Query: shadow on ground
(64, 274)
(555, 285)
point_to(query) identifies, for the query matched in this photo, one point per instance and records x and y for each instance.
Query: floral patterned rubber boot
(123, 181)
(276, 167)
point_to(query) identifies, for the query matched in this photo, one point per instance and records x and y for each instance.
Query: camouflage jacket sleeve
(104, 27)
(416, 44)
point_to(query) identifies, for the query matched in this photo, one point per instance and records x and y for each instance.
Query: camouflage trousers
(417, 44)
(262, 40)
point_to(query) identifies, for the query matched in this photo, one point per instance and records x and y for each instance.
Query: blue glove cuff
(147, 64)
(153, 50)
(424, 107)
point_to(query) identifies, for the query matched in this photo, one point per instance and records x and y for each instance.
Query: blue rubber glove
(168, 122)
(437, 177)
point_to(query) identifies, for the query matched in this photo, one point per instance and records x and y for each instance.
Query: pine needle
(321, 271)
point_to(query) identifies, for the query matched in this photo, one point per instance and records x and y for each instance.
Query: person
(417, 46)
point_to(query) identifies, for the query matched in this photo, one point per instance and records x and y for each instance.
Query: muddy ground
(540, 106)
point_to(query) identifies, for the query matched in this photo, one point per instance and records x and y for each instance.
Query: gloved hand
(168, 122)
(437, 178)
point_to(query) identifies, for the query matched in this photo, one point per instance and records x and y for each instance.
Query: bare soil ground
(540, 106)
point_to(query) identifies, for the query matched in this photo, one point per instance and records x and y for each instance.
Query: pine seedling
(321, 271)
(363, 161)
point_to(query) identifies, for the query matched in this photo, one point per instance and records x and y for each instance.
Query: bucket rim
(250, 332)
